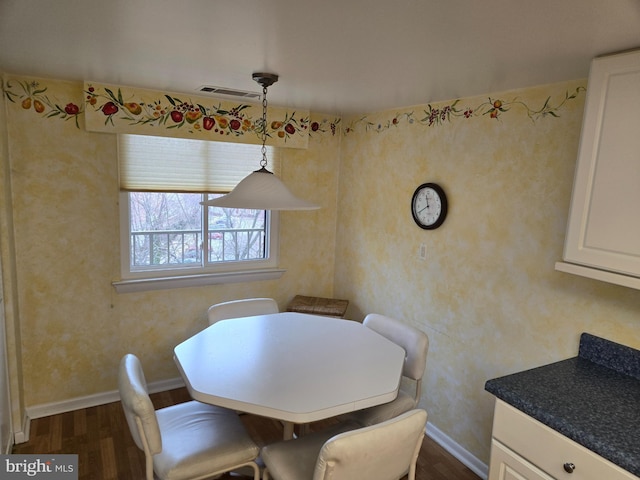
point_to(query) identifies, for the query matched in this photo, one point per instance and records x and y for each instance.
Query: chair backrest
(414, 342)
(241, 308)
(138, 408)
(385, 451)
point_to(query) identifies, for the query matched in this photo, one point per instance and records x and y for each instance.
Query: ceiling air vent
(228, 92)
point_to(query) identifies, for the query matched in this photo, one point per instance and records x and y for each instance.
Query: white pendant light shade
(261, 190)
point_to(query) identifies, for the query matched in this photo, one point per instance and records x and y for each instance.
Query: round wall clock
(429, 206)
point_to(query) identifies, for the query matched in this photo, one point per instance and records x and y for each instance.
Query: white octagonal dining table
(294, 367)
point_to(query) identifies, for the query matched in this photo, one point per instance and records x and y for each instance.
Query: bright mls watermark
(51, 467)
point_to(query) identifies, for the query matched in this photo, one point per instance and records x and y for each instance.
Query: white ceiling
(333, 56)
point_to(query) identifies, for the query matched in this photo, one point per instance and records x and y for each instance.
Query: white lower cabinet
(524, 449)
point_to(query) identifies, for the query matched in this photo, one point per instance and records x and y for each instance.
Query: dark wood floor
(101, 438)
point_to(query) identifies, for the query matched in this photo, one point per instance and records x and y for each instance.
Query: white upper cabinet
(603, 232)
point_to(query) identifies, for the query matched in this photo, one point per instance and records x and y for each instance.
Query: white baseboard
(22, 435)
(54, 408)
(455, 449)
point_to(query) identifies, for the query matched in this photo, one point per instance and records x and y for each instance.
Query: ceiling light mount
(265, 79)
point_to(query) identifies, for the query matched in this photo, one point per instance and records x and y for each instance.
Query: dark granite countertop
(593, 399)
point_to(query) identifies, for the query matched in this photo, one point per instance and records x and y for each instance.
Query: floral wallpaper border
(166, 114)
(444, 113)
(118, 109)
(30, 93)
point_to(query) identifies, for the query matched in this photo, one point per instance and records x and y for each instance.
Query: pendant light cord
(263, 162)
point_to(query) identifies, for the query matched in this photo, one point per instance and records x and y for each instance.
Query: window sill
(163, 283)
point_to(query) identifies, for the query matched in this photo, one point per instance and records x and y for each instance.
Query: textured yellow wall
(487, 294)
(74, 326)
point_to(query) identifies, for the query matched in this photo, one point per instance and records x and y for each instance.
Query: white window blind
(165, 164)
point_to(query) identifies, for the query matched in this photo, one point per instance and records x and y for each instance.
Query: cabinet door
(604, 222)
(508, 465)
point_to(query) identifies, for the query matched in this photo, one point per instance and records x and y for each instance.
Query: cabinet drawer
(549, 450)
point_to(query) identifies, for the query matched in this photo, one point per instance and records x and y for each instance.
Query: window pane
(236, 234)
(166, 229)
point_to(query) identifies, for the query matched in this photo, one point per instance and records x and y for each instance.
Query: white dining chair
(247, 307)
(416, 347)
(385, 451)
(190, 440)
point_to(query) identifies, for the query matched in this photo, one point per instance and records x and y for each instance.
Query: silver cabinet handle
(569, 467)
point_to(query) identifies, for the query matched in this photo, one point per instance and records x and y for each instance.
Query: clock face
(429, 206)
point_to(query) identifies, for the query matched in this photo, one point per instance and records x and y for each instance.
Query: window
(168, 231)
(168, 238)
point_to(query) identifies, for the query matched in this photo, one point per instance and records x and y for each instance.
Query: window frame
(195, 275)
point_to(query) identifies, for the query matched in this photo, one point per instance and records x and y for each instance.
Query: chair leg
(149, 467)
(256, 471)
(265, 474)
(243, 470)
(412, 472)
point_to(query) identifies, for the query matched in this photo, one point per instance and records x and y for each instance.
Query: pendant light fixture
(261, 189)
